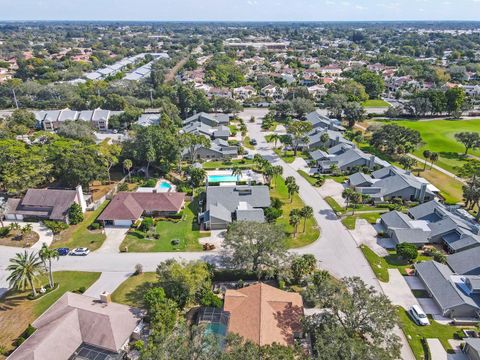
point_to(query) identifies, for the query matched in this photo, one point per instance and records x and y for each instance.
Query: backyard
(375, 103)
(228, 164)
(79, 235)
(186, 231)
(17, 312)
(279, 191)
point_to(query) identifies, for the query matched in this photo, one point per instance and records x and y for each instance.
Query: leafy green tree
(394, 139)
(373, 83)
(407, 251)
(110, 154)
(303, 266)
(162, 312)
(24, 118)
(55, 226)
(407, 162)
(197, 176)
(455, 99)
(353, 112)
(470, 140)
(335, 103)
(298, 131)
(25, 269)
(192, 143)
(47, 255)
(77, 130)
(75, 214)
(256, 247)
(183, 281)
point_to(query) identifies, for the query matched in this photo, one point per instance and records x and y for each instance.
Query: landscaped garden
(17, 311)
(84, 234)
(15, 234)
(168, 234)
(279, 191)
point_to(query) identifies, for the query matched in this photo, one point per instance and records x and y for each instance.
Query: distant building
(50, 120)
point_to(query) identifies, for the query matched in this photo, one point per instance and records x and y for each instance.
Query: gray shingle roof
(465, 262)
(231, 196)
(359, 178)
(396, 219)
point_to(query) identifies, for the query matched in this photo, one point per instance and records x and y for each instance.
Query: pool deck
(247, 175)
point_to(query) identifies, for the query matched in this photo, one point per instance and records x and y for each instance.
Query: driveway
(398, 290)
(365, 233)
(333, 189)
(108, 282)
(429, 306)
(115, 236)
(436, 349)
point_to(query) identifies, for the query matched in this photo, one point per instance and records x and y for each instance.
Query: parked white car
(418, 315)
(80, 252)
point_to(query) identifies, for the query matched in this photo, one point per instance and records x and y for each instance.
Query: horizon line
(240, 21)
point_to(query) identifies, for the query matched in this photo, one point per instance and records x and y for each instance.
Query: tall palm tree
(275, 138)
(277, 172)
(426, 155)
(306, 213)
(347, 195)
(433, 159)
(293, 189)
(294, 219)
(25, 268)
(237, 171)
(47, 255)
(128, 164)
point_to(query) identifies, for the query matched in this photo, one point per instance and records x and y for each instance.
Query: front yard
(17, 312)
(311, 234)
(79, 235)
(186, 232)
(131, 291)
(15, 238)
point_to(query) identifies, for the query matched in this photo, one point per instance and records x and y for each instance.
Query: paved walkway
(436, 349)
(442, 170)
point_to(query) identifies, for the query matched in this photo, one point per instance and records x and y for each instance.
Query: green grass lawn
(79, 235)
(439, 136)
(350, 221)
(187, 231)
(212, 165)
(334, 205)
(415, 333)
(311, 180)
(132, 290)
(375, 103)
(377, 263)
(279, 190)
(246, 143)
(286, 156)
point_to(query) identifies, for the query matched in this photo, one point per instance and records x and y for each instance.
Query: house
(465, 262)
(50, 204)
(126, 208)
(264, 314)
(219, 92)
(349, 160)
(51, 120)
(433, 222)
(244, 92)
(315, 139)
(81, 327)
(320, 121)
(393, 183)
(225, 204)
(331, 69)
(472, 348)
(219, 150)
(211, 120)
(457, 296)
(148, 120)
(270, 91)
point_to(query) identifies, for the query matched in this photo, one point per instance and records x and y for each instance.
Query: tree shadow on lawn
(136, 234)
(453, 155)
(135, 296)
(12, 299)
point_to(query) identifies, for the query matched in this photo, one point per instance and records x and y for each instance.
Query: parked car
(80, 252)
(418, 315)
(63, 251)
(253, 142)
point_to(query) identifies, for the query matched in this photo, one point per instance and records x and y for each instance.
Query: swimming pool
(164, 187)
(223, 178)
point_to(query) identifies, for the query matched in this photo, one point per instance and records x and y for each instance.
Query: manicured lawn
(286, 156)
(279, 190)
(334, 205)
(17, 311)
(312, 180)
(246, 143)
(211, 165)
(375, 103)
(186, 231)
(339, 179)
(351, 220)
(415, 333)
(131, 291)
(450, 188)
(79, 235)
(377, 263)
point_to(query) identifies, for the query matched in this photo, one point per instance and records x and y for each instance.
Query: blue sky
(253, 10)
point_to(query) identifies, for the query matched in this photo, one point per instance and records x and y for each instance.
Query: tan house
(80, 327)
(264, 314)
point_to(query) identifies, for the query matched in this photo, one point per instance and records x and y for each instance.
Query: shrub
(439, 257)
(276, 203)
(4, 231)
(407, 251)
(29, 331)
(95, 226)
(138, 269)
(55, 226)
(19, 341)
(138, 345)
(80, 290)
(272, 214)
(150, 183)
(209, 299)
(123, 187)
(147, 223)
(75, 214)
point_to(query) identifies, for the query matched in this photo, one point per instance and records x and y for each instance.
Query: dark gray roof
(230, 196)
(465, 262)
(396, 219)
(319, 120)
(250, 215)
(411, 236)
(359, 178)
(318, 155)
(474, 343)
(339, 148)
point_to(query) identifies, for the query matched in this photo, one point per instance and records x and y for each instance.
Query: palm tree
(292, 190)
(347, 195)
(275, 138)
(25, 268)
(127, 164)
(426, 155)
(47, 255)
(294, 219)
(306, 213)
(355, 199)
(27, 229)
(433, 159)
(269, 173)
(277, 172)
(237, 171)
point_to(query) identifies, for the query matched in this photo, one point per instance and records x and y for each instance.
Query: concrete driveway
(437, 350)
(398, 291)
(333, 189)
(115, 236)
(108, 282)
(365, 233)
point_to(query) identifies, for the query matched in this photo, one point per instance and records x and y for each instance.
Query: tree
(24, 118)
(426, 155)
(256, 247)
(25, 268)
(110, 154)
(353, 112)
(356, 198)
(197, 176)
(275, 138)
(182, 281)
(455, 99)
(75, 214)
(335, 103)
(394, 139)
(127, 165)
(298, 131)
(237, 171)
(55, 226)
(407, 251)
(306, 213)
(294, 220)
(347, 194)
(162, 312)
(373, 83)
(47, 255)
(303, 266)
(357, 322)
(470, 140)
(193, 143)
(292, 189)
(77, 130)
(407, 162)
(433, 158)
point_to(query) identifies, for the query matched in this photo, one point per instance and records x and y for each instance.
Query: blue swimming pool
(223, 178)
(164, 186)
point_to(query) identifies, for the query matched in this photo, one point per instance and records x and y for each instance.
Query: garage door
(126, 223)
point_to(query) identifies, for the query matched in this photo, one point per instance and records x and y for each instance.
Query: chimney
(105, 297)
(371, 162)
(423, 191)
(81, 198)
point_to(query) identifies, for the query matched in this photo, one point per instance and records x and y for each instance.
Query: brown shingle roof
(264, 314)
(75, 319)
(130, 206)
